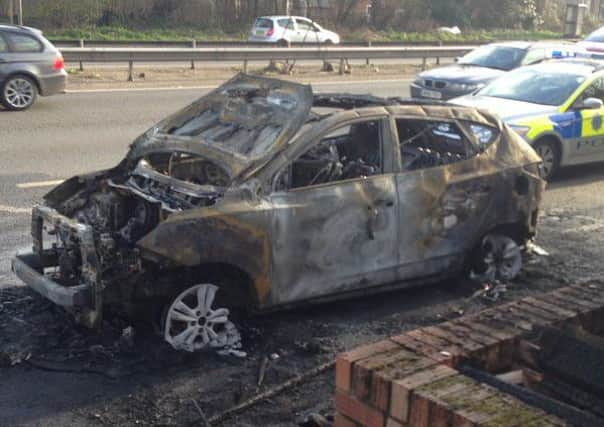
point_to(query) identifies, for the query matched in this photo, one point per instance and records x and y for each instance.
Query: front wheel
(192, 323)
(550, 155)
(18, 93)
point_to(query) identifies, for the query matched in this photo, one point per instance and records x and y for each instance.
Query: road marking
(141, 89)
(40, 184)
(14, 210)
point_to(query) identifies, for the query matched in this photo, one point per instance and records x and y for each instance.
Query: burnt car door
(444, 193)
(335, 214)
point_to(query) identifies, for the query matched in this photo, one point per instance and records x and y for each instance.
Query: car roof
(282, 17)
(582, 66)
(20, 28)
(529, 44)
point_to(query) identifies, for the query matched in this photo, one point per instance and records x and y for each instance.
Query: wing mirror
(590, 104)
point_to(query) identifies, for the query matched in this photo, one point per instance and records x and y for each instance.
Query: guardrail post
(367, 61)
(341, 66)
(130, 71)
(194, 46)
(245, 65)
(81, 63)
(440, 43)
(424, 63)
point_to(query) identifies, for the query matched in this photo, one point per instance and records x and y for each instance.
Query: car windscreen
(498, 57)
(263, 23)
(597, 37)
(535, 85)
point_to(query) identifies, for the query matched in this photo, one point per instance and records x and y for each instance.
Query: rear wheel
(550, 155)
(282, 43)
(18, 93)
(499, 258)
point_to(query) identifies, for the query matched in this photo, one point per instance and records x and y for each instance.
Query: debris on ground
(533, 248)
(314, 419)
(491, 291)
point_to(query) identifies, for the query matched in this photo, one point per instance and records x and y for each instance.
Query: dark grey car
(483, 65)
(29, 66)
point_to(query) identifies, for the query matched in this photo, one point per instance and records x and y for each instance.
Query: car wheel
(192, 323)
(550, 155)
(282, 43)
(328, 42)
(498, 259)
(18, 93)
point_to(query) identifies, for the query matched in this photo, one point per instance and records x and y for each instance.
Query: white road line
(40, 184)
(142, 89)
(14, 210)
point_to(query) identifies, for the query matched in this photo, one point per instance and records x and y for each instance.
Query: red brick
(413, 344)
(562, 301)
(441, 415)
(363, 370)
(391, 422)
(561, 311)
(478, 327)
(345, 361)
(341, 421)
(402, 389)
(419, 414)
(382, 379)
(358, 411)
(594, 299)
(544, 314)
(467, 345)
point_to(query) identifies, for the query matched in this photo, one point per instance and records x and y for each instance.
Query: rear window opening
(188, 168)
(426, 144)
(263, 23)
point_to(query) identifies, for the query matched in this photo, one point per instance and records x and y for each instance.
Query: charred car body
(273, 196)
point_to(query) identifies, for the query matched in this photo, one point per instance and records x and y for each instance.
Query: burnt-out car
(262, 196)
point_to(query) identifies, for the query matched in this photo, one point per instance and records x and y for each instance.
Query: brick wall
(411, 380)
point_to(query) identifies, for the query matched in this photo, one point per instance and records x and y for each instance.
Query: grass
(181, 34)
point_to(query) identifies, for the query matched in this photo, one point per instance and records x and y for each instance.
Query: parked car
(29, 66)
(263, 196)
(556, 106)
(593, 43)
(483, 65)
(283, 30)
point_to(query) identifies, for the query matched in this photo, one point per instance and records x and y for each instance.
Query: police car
(556, 106)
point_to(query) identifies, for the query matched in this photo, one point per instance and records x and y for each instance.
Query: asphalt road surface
(78, 132)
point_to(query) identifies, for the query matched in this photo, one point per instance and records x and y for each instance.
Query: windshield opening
(498, 57)
(536, 86)
(597, 37)
(187, 167)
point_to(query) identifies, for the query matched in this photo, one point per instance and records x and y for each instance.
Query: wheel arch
(26, 74)
(556, 139)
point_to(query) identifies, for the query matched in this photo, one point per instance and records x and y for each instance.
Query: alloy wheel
(549, 158)
(19, 93)
(192, 323)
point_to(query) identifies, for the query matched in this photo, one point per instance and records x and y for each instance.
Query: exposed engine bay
(122, 208)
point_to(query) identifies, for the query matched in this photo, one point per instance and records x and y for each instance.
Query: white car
(290, 29)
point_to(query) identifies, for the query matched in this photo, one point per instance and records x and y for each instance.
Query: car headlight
(521, 130)
(465, 87)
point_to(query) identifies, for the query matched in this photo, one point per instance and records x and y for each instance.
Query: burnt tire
(549, 151)
(19, 92)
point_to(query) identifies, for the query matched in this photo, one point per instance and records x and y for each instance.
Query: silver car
(284, 30)
(263, 196)
(29, 66)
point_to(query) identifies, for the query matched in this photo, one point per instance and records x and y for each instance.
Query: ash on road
(53, 373)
